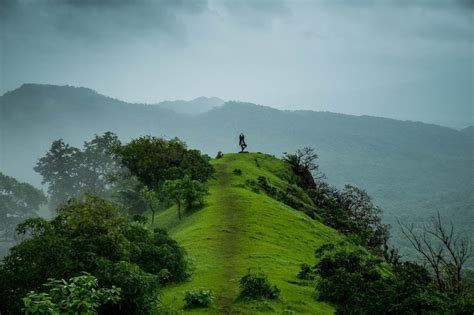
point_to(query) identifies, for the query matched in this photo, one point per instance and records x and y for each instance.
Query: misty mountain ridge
(412, 169)
(193, 107)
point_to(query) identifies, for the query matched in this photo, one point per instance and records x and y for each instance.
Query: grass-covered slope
(238, 229)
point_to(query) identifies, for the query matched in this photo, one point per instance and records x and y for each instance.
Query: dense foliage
(18, 201)
(198, 298)
(382, 156)
(81, 295)
(185, 191)
(166, 170)
(71, 172)
(92, 236)
(357, 282)
(256, 286)
(350, 211)
(389, 286)
(154, 160)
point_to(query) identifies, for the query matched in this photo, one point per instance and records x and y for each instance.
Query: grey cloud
(97, 19)
(359, 57)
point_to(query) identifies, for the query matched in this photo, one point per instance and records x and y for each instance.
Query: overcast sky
(400, 59)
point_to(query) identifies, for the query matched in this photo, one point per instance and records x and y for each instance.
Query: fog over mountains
(412, 169)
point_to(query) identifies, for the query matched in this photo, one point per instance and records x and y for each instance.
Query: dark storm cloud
(95, 19)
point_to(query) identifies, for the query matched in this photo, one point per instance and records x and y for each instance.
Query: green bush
(253, 185)
(237, 171)
(357, 282)
(306, 272)
(198, 297)
(81, 295)
(219, 155)
(92, 236)
(263, 183)
(256, 286)
(154, 160)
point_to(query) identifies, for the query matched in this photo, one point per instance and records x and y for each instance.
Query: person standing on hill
(242, 142)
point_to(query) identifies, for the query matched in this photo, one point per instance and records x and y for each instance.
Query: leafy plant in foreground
(92, 236)
(81, 295)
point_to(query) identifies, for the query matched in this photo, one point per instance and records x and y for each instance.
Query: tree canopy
(91, 236)
(18, 201)
(70, 172)
(154, 160)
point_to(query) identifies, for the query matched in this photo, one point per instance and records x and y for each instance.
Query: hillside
(239, 229)
(411, 169)
(196, 106)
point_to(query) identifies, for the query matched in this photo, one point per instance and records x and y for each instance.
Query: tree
(186, 191)
(445, 252)
(151, 200)
(18, 201)
(360, 283)
(92, 236)
(100, 167)
(70, 172)
(351, 211)
(303, 164)
(81, 295)
(60, 169)
(154, 160)
(368, 218)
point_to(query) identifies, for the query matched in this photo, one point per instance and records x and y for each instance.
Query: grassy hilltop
(239, 229)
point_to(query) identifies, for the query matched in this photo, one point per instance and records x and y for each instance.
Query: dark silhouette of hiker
(242, 142)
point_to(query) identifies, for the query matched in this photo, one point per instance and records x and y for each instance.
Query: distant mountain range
(193, 107)
(412, 169)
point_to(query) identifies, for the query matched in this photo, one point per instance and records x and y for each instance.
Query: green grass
(238, 229)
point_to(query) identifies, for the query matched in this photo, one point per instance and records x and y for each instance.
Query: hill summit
(242, 228)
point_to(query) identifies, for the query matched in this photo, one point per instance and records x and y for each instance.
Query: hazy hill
(412, 169)
(197, 106)
(240, 229)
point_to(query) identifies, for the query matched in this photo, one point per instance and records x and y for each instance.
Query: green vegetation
(198, 298)
(92, 236)
(237, 213)
(71, 172)
(185, 190)
(238, 229)
(360, 283)
(256, 286)
(81, 295)
(350, 211)
(154, 160)
(18, 201)
(411, 169)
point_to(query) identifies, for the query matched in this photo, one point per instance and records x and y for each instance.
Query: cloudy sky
(401, 59)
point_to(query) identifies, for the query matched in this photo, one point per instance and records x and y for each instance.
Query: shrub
(92, 236)
(306, 272)
(154, 160)
(237, 171)
(360, 283)
(81, 295)
(219, 155)
(198, 297)
(257, 286)
(263, 183)
(253, 185)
